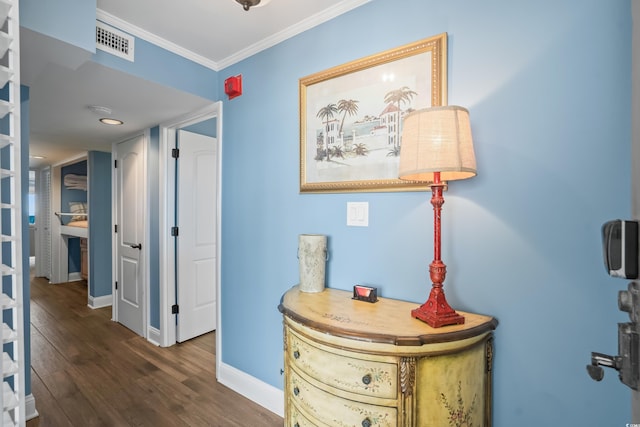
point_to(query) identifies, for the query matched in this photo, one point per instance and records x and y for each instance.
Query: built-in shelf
(13, 364)
(6, 302)
(5, 140)
(5, 43)
(10, 399)
(8, 334)
(9, 366)
(6, 270)
(5, 8)
(5, 75)
(5, 107)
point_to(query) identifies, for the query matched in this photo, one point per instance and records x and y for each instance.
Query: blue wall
(100, 274)
(548, 87)
(161, 66)
(71, 21)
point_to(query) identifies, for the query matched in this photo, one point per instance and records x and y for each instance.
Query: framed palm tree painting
(351, 117)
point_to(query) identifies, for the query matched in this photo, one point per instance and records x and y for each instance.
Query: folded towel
(75, 182)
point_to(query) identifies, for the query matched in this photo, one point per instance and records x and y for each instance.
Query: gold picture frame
(351, 117)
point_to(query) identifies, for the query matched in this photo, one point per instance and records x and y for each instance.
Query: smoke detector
(100, 110)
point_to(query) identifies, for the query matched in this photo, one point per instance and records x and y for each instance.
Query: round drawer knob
(366, 422)
(366, 379)
(296, 391)
(296, 354)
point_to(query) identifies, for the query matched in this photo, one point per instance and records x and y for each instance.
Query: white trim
(294, 30)
(166, 221)
(74, 277)
(153, 335)
(107, 18)
(263, 394)
(114, 240)
(59, 250)
(30, 411)
(71, 160)
(43, 206)
(100, 302)
(267, 42)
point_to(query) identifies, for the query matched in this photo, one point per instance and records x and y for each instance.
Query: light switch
(358, 214)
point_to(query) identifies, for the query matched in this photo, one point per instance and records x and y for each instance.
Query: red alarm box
(233, 86)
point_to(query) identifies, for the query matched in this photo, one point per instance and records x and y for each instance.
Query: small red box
(233, 86)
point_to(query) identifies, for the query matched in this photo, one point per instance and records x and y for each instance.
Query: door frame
(43, 224)
(167, 333)
(146, 137)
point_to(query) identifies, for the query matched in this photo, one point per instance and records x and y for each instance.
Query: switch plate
(358, 214)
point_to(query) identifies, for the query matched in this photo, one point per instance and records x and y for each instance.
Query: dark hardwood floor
(89, 371)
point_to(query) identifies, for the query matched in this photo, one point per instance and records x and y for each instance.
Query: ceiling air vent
(114, 41)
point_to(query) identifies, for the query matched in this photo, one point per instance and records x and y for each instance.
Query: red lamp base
(436, 312)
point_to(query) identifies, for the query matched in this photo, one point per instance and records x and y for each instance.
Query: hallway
(89, 371)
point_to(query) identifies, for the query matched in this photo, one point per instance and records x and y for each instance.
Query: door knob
(138, 246)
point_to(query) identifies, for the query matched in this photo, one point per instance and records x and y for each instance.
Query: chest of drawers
(353, 363)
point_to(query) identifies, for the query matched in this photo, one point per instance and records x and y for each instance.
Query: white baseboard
(153, 335)
(253, 389)
(99, 302)
(74, 277)
(30, 411)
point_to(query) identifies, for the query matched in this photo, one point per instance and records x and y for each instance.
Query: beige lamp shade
(437, 139)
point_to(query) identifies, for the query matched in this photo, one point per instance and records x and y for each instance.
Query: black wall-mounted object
(620, 248)
(620, 253)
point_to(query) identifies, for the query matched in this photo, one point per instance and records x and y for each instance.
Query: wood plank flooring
(89, 371)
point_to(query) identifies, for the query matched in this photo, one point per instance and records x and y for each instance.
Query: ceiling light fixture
(108, 121)
(247, 4)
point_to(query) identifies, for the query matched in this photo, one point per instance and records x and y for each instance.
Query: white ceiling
(214, 33)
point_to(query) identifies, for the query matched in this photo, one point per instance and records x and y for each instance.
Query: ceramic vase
(312, 255)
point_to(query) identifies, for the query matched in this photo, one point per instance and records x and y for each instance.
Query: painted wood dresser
(354, 363)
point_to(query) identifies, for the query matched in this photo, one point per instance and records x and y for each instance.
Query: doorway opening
(167, 335)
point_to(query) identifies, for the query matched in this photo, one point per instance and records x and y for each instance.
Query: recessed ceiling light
(108, 121)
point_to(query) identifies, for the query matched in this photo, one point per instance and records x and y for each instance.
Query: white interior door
(197, 237)
(130, 195)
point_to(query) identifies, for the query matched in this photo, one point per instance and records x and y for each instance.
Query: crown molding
(125, 26)
(300, 27)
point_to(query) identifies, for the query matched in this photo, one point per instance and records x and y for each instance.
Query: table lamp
(437, 147)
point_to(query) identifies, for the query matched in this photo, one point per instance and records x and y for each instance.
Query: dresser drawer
(335, 411)
(297, 418)
(366, 377)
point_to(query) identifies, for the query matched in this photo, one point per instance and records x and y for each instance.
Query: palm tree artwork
(334, 120)
(347, 106)
(326, 114)
(404, 95)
